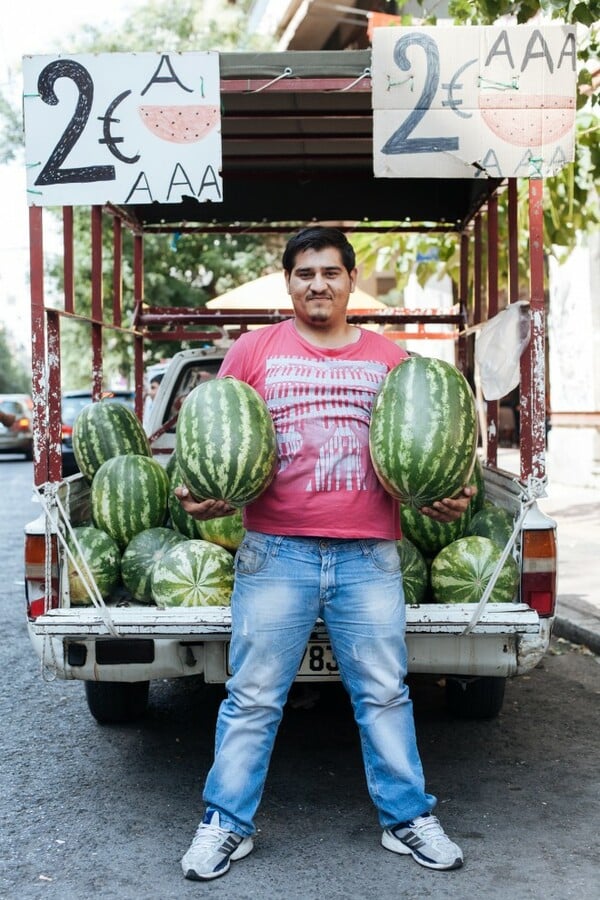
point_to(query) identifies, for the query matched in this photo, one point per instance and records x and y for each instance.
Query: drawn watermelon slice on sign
(180, 124)
(528, 121)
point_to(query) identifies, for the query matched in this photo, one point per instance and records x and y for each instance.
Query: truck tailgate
(215, 622)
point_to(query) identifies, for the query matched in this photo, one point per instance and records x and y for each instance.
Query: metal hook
(285, 74)
(365, 74)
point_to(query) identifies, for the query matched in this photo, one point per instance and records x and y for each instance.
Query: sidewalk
(577, 514)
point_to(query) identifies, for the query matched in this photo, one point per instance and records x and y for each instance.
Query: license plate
(318, 661)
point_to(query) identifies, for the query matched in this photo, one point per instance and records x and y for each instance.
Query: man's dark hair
(318, 237)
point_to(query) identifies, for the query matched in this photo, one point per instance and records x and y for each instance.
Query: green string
(512, 85)
(410, 79)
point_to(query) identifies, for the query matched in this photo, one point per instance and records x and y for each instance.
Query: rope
(499, 566)
(83, 571)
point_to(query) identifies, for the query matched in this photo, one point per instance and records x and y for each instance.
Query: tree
(13, 377)
(179, 271)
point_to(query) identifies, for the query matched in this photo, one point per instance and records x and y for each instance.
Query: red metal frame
(533, 385)
(181, 324)
(493, 424)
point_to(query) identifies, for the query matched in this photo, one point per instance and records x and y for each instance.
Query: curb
(577, 634)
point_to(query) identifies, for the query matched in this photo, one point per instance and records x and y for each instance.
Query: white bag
(498, 349)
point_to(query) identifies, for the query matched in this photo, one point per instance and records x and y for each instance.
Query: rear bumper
(509, 640)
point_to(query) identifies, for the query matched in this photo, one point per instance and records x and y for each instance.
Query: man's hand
(450, 509)
(202, 509)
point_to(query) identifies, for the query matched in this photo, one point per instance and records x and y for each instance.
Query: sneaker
(425, 840)
(213, 849)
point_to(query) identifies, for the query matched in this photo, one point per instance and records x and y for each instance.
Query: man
(7, 419)
(320, 542)
(149, 398)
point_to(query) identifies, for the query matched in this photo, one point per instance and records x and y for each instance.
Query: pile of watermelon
(141, 546)
(452, 563)
(423, 443)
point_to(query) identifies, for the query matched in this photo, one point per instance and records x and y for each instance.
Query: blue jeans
(282, 585)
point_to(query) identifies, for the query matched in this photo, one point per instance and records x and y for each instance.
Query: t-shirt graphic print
(321, 410)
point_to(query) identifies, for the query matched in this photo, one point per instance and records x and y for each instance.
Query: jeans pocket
(384, 555)
(253, 553)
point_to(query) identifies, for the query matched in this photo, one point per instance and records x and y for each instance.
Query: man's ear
(353, 279)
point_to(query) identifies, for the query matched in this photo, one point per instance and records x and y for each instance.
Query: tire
(117, 702)
(475, 698)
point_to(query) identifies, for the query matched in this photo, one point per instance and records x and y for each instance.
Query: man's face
(320, 287)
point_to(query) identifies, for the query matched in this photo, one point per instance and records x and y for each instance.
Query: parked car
(18, 437)
(72, 404)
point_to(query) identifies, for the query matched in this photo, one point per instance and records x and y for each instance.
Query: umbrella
(269, 293)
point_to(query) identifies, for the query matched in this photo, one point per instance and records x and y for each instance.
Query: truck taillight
(35, 575)
(538, 582)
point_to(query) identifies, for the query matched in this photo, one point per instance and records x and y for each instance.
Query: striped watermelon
(181, 521)
(493, 522)
(423, 433)
(415, 574)
(461, 571)
(106, 429)
(195, 573)
(103, 558)
(430, 536)
(141, 553)
(225, 442)
(227, 531)
(129, 494)
(477, 479)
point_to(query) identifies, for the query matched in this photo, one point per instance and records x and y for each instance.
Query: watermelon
(141, 553)
(194, 573)
(225, 442)
(476, 479)
(493, 522)
(181, 521)
(103, 558)
(129, 494)
(423, 432)
(227, 531)
(106, 429)
(415, 574)
(461, 571)
(430, 536)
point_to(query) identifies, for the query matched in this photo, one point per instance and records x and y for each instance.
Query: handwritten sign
(461, 102)
(122, 128)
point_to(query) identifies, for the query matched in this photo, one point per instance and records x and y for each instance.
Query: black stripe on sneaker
(230, 844)
(412, 840)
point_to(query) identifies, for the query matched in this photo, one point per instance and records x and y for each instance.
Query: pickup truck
(308, 160)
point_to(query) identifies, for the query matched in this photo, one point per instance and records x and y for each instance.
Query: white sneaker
(425, 840)
(212, 850)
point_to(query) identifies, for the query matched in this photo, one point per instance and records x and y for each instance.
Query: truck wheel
(475, 698)
(116, 702)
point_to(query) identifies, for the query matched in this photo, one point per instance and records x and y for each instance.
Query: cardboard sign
(122, 128)
(471, 102)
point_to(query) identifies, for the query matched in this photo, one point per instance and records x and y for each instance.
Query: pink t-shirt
(320, 400)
